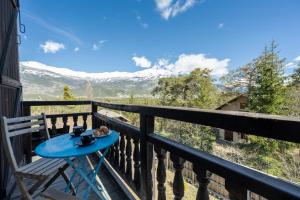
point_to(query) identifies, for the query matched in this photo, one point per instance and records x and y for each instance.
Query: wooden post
(178, 182)
(146, 127)
(203, 180)
(161, 173)
(94, 120)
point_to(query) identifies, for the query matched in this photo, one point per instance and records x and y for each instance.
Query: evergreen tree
(267, 93)
(68, 96)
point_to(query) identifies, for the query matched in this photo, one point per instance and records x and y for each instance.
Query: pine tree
(267, 93)
(68, 96)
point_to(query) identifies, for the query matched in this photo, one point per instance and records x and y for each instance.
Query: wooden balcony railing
(133, 155)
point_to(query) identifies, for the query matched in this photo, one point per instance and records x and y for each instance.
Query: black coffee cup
(77, 130)
(86, 138)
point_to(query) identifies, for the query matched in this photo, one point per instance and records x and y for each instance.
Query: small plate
(109, 132)
(80, 144)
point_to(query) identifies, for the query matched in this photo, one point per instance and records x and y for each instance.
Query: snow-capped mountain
(33, 67)
(41, 81)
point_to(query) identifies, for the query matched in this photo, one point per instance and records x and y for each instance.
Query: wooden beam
(270, 126)
(55, 103)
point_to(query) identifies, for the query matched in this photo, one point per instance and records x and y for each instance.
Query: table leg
(81, 170)
(94, 174)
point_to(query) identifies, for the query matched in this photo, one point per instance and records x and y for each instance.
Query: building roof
(231, 100)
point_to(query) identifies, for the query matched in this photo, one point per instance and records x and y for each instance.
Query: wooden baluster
(75, 119)
(128, 158)
(236, 190)
(117, 153)
(203, 179)
(107, 156)
(111, 154)
(65, 121)
(84, 118)
(161, 173)
(122, 153)
(136, 159)
(178, 183)
(53, 128)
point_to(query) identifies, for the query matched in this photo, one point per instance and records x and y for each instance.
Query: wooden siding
(9, 81)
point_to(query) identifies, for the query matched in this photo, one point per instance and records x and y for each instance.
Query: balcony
(137, 162)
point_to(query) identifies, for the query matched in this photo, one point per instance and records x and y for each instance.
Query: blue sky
(131, 35)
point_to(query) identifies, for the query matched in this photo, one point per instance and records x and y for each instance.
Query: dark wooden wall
(10, 87)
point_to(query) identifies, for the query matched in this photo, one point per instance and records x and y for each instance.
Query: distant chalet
(238, 103)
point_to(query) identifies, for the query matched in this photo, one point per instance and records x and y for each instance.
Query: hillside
(46, 82)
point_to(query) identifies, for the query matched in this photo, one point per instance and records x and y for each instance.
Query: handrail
(55, 103)
(270, 126)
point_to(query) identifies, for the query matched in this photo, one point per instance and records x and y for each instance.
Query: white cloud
(185, 63)
(171, 8)
(188, 62)
(52, 47)
(293, 64)
(221, 25)
(162, 62)
(96, 46)
(76, 49)
(290, 64)
(141, 61)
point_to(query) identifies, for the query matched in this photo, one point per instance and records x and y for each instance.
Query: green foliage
(68, 96)
(267, 92)
(193, 90)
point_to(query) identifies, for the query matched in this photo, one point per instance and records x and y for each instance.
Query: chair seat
(42, 167)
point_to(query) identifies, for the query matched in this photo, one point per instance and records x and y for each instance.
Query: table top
(65, 146)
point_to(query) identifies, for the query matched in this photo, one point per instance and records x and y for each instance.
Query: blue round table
(66, 147)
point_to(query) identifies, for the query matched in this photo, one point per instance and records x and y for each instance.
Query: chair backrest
(19, 126)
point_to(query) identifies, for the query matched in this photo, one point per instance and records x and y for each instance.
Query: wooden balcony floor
(112, 188)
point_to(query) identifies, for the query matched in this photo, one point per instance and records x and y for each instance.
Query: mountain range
(41, 82)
